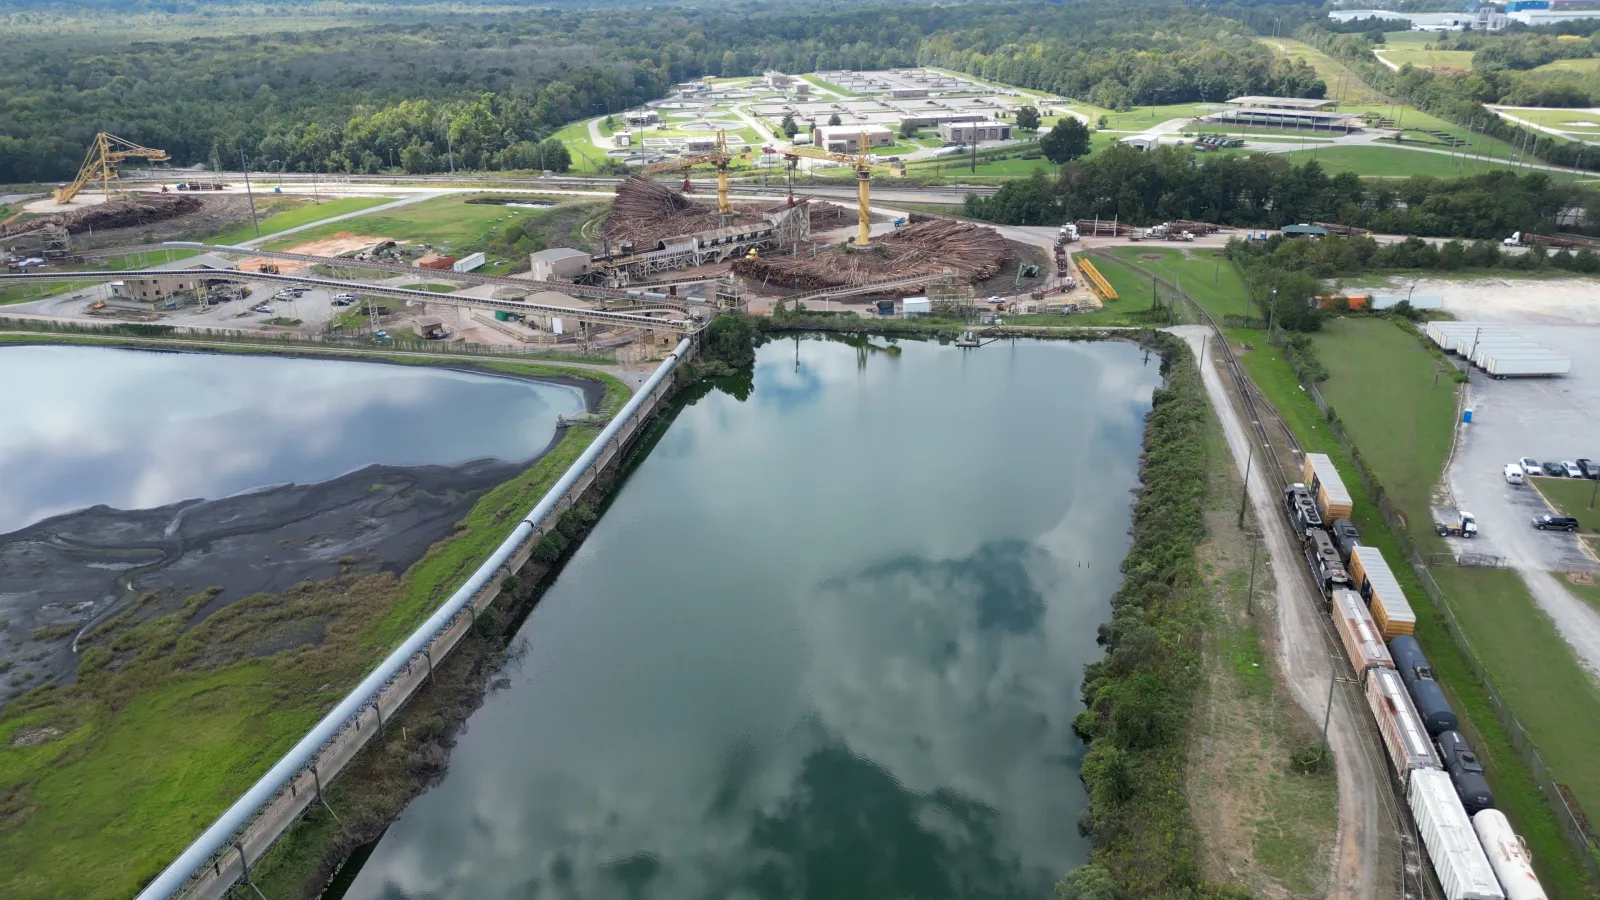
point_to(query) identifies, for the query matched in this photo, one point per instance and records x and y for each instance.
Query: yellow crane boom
(105, 154)
(864, 164)
(719, 157)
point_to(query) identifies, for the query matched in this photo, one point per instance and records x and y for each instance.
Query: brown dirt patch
(341, 243)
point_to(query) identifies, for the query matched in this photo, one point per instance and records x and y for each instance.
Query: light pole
(249, 192)
(1249, 458)
(1250, 592)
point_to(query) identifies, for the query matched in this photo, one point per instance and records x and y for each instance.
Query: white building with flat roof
(847, 138)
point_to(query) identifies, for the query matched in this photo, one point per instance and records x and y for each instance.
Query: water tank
(1507, 856)
(1426, 694)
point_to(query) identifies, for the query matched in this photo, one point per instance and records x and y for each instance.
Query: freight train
(1474, 851)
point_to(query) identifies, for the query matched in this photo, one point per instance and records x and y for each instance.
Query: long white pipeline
(217, 837)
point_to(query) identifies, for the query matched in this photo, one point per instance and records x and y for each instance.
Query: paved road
(1547, 419)
(1303, 657)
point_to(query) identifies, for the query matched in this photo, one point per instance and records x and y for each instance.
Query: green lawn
(1385, 161)
(1144, 117)
(828, 86)
(1493, 595)
(1203, 274)
(1405, 435)
(585, 155)
(145, 754)
(1571, 497)
(444, 222)
(1574, 122)
(301, 212)
(1427, 59)
(1550, 697)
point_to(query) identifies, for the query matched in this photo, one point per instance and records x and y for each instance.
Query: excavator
(100, 164)
(718, 157)
(864, 165)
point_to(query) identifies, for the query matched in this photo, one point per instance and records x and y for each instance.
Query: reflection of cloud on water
(136, 430)
(926, 753)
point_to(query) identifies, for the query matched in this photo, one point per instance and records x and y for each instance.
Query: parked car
(1514, 474)
(340, 301)
(1572, 469)
(1555, 470)
(1548, 522)
(1589, 468)
(263, 309)
(350, 297)
(1530, 466)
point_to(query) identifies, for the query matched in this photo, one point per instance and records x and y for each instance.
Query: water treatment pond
(138, 429)
(826, 642)
(157, 476)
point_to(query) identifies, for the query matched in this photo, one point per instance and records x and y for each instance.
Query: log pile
(139, 209)
(646, 211)
(971, 252)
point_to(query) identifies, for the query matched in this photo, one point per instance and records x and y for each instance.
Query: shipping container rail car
(1471, 847)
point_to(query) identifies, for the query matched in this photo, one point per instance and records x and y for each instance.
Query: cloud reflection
(814, 649)
(137, 429)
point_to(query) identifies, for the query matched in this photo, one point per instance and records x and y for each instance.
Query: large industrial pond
(826, 642)
(126, 473)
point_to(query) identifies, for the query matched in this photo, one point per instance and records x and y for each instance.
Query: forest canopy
(404, 87)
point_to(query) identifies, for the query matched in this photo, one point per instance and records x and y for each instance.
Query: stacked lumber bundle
(971, 252)
(138, 209)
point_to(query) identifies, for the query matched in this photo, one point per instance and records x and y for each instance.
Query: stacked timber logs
(971, 252)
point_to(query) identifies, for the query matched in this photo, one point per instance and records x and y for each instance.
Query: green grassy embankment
(1494, 607)
(104, 781)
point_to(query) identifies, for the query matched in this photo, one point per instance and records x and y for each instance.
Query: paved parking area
(1547, 419)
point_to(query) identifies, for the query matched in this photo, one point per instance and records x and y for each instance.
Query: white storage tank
(1458, 859)
(1508, 856)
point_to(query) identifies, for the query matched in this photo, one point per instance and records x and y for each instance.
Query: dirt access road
(1303, 657)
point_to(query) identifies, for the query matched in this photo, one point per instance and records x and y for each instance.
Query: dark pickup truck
(1555, 523)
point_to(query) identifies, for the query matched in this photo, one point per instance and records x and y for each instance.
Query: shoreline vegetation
(145, 747)
(1138, 696)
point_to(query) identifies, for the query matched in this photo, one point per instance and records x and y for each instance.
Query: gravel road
(1303, 654)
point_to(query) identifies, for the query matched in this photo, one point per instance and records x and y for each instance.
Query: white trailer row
(1499, 350)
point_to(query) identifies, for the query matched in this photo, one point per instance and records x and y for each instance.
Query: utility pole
(1250, 592)
(1333, 678)
(250, 193)
(1244, 497)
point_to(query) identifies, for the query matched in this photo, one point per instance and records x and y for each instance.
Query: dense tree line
(409, 88)
(1268, 191)
(1122, 55)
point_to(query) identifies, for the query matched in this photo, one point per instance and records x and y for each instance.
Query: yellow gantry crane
(864, 164)
(718, 157)
(105, 155)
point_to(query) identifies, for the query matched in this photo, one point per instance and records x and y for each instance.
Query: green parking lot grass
(1571, 497)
